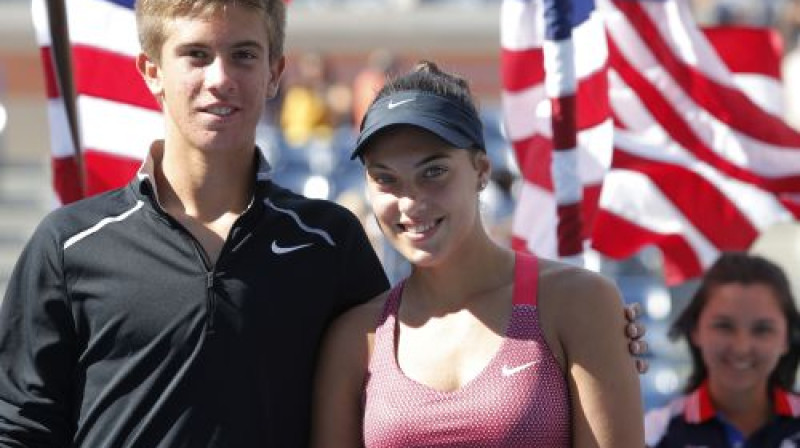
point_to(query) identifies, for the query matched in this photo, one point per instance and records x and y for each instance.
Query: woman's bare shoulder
(569, 282)
(573, 293)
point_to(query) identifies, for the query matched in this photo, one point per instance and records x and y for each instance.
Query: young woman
(743, 331)
(479, 346)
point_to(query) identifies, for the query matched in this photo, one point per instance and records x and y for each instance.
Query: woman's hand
(634, 331)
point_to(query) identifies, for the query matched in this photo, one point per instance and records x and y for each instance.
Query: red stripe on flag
(521, 69)
(521, 147)
(764, 49)
(722, 224)
(619, 238)
(66, 179)
(728, 105)
(594, 106)
(538, 161)
(103, 74)
(107, 171)
(563, 122)
(671, 121)
(591, 201)
(50, 83)
(570, 230)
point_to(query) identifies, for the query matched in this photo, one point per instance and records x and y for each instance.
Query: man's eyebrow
(204, 44)
(249, 44)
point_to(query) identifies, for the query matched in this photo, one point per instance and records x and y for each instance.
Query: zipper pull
(211, 303)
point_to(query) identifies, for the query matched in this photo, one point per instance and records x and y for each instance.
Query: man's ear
(151, 74)
(276, 71)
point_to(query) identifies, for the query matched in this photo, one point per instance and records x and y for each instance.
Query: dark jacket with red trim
(692, 421)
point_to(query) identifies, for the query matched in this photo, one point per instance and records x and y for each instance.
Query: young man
(186, 308)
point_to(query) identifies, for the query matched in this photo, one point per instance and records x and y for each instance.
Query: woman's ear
(483, 165)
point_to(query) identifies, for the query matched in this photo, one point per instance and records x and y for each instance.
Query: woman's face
(424, 192)
(741, 334)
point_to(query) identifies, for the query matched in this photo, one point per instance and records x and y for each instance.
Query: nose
(219, 76)
(742, 342)
(411, 202)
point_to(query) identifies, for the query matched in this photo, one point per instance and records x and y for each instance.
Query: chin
(742, 382)
(220, 144)
(422, 258)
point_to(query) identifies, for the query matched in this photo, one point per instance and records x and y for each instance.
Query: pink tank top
(520, 399)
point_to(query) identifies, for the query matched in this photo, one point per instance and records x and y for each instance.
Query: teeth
(420, 228)
(742, 365)
(221, 111)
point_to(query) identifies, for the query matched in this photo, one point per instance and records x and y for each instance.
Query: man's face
(213, 79)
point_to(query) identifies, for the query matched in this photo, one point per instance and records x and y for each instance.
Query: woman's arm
(344, 356)
(604, 385)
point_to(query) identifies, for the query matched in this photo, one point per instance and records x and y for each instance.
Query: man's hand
(634, 331)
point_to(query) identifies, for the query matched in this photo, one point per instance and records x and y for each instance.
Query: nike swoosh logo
(392, 104)
(508, 371)
(280, 250)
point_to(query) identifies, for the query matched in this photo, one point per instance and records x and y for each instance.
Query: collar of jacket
(699, 408)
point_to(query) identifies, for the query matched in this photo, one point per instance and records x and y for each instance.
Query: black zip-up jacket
(116, 332)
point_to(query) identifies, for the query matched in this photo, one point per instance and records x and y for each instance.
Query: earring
(272, 90)
(482, 185)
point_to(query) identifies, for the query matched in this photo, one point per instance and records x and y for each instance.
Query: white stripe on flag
(741, 150)
(125, 131)
(651, 210)
(534, 217)
(60, 135)
(760, 207)
(103, 24)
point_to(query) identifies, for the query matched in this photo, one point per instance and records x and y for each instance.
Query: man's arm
(361, 271)
(37, 346)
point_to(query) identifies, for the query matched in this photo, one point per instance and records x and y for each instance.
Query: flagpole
(62, 64)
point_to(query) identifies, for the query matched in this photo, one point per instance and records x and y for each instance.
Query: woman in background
(743, 332)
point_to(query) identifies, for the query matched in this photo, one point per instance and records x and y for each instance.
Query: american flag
(117, 117)
(681, 143)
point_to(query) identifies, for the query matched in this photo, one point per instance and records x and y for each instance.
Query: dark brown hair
(747, 269)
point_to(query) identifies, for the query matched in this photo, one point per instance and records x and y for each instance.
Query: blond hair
(152, 17)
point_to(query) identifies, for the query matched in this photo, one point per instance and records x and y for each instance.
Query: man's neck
(205, 186)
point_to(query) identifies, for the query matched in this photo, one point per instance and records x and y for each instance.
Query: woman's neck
(746, 411)
(470, 273)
